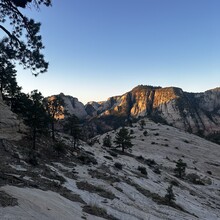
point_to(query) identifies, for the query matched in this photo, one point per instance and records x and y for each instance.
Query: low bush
(145, 133)
(118, 165)
(194, 178)
(142, 170)
(59, 147)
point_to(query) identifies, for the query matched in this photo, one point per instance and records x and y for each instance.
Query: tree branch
(10, 35)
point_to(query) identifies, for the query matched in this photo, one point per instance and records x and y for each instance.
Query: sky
(101, 48)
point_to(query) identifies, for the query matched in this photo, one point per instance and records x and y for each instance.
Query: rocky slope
(85, 183)
(11, 127)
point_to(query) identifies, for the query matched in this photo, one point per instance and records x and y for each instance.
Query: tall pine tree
(123, 139)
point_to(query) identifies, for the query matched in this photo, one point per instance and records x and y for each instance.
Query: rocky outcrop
(193, 112)
(11, 128)
(71, 106)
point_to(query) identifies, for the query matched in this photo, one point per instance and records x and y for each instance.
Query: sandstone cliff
(71, 106)
(193, 112)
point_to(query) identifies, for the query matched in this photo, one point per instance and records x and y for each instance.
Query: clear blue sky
(101, 48)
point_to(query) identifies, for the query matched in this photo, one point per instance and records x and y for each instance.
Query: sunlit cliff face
(142, 99)
(164, 95)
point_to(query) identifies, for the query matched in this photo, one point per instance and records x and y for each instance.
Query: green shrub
(194, 178)
(118, 165)
(180, 168)
(142, 170)
(157, 170)
(145, 133)
(59, 147)
(107, 141)
(170, 197)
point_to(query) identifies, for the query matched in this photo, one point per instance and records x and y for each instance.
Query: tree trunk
(52, 127)
(0, 96)
(123, 148)
(34, 139)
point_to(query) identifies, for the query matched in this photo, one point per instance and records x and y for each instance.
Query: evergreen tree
(8, 84)
(180, 168)
(20, 104)
(142, 124)
(107, 142)
(72, 125)
(170, 197)
(123, 139)
(22, 41)
(54, 107)
(35, 115)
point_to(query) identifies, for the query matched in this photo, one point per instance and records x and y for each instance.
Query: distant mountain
(193, 112)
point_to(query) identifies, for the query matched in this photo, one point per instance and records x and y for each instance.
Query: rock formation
(11, 128)
(71, 106)
(194, 112)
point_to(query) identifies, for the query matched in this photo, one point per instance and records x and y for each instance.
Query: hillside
(84, 182)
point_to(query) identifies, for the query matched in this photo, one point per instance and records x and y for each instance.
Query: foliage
(195, 179)
(145, 133)
(84, 185)
(59, 147)
(107, 142)
(118, 165)
(54, 107)
(123, 139)
(87, 159)
(131, 131)
(157, 170)
(8, 83)
(22, 41)
(180, 168)
(34, 114)
(73, 127)
(142, 123)
(142, 170)
(98, 211)
(170, 197)
(112, 153)
(33, 158)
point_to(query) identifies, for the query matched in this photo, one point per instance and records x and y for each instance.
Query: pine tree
(21, 39)
(170, 197)
(123, 139)
(35, 115)
(107, 142)
(72, 125)
(54, 107)
(142, 124)
(180, 169)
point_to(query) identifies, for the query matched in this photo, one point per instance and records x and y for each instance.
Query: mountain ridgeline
(198, 113)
